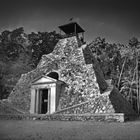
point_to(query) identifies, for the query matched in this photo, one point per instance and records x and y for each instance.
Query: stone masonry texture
(68, 61)
(83, 92)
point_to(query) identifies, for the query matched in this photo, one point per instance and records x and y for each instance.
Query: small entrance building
(45, 92)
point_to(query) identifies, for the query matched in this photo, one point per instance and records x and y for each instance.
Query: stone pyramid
(82, 93)
(68, 61)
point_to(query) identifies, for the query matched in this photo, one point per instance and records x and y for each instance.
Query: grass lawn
(60, 130)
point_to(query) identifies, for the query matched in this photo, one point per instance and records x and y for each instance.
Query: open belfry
(69, 81)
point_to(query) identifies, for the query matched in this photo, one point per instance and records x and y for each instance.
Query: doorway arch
(53, 75)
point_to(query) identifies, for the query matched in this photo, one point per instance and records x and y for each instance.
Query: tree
(42, 43)
(108, 56)
(20, 53)
(129, 85)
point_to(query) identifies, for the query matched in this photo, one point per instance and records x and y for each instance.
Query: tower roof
(72, 27)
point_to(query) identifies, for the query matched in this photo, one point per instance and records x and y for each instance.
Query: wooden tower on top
(72, 29)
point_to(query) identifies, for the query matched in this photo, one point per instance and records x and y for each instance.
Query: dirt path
(59, 130)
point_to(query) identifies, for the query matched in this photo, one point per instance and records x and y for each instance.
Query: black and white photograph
(69, 70)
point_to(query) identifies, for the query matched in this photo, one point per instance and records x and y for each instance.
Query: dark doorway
(44, 103)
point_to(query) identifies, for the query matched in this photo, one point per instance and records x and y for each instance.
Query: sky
(115, 20)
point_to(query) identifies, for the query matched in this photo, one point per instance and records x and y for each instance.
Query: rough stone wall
(113, 117)
(20, 96)
(68, 61)
(6, 108)
(100, 104)
(109, 102)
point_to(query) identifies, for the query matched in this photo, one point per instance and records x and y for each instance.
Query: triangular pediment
(44, 79)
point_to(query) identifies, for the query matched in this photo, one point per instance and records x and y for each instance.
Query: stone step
(105, 117)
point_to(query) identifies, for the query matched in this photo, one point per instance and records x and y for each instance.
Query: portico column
(53, 99)
(32, 106)
(37, 101)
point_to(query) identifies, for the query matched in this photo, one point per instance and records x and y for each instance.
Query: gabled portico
(45, 93)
